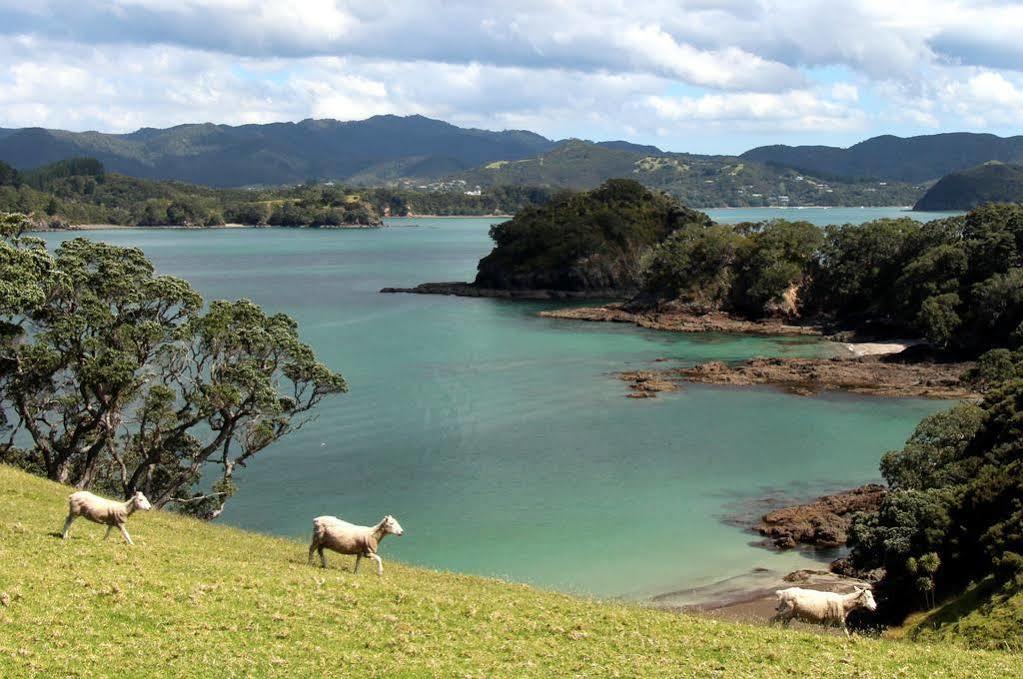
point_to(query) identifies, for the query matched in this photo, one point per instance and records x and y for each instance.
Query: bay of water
(502, 441)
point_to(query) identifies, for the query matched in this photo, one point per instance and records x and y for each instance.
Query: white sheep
(824, 608)
(101, 510)
(330, 532)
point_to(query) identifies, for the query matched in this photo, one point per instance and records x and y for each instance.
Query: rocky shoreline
(750, 597)
(674, 320)
(823, 523)
(867, 375)
(820, 525)
(461, 289)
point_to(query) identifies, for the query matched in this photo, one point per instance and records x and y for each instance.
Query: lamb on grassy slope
(330, 532)
(824, 608)
(101, 510)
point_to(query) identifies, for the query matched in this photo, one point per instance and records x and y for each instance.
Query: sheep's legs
(67, 526)
(380, 564)
(124, 532)
(323, 557)
(312, 549)
(109, 528)
(358, 560)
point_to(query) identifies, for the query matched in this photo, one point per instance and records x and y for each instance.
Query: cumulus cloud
(787, 70)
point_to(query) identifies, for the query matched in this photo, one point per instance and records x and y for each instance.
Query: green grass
(191, 599)
(984, 616)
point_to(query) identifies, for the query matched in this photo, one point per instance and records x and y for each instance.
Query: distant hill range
(697, 180)
(415, 151)
(910, 159)
(992, 182)
(278, 153)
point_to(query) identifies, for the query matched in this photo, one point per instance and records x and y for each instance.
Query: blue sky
(707, 76)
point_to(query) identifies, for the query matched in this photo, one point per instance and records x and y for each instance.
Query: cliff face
(583, 242)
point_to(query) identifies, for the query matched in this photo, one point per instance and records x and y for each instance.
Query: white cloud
(805, 70)
(797, 110)
(845, 92)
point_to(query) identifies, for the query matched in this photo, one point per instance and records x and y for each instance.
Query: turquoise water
(502, 441)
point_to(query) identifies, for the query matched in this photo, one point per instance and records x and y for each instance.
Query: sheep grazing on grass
(101, 510)
(330, 532)
(824, 608)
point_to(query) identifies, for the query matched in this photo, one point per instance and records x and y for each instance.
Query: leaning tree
(117, 379)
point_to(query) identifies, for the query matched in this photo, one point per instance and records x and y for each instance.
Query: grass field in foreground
(192, 599)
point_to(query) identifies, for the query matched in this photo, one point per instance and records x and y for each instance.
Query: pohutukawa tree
(115, 379)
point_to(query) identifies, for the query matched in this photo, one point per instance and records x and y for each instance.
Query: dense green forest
(582, 241)
(81, 191)
(953, 519)
(957, 282)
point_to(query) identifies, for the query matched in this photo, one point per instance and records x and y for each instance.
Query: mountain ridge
(888, 157)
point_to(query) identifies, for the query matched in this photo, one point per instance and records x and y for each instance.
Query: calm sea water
(502, 441)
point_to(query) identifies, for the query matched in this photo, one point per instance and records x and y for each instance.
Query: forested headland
(81, 191)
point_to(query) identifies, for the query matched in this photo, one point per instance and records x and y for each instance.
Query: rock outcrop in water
(821, 523)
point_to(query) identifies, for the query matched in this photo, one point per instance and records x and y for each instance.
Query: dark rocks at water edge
(822, 523)
(460, 289)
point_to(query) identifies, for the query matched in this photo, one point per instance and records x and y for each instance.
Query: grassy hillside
(191, 599)
(984, 616)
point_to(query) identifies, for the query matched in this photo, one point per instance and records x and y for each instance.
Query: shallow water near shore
(503, 441)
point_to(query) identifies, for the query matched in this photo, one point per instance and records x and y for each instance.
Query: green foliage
(776, 258)
(993, 368)
(987, 615)
(122, 382)
(935, 454)
(938, 320)
(9, 176)
(48, 176)
(955, 513)
(957, 282)
(696, 264)
(79, 191)
(584, 241)
(859, 265)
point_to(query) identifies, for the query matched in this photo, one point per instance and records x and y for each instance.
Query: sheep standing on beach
(101, 510)
(824, 608)
(330, 532)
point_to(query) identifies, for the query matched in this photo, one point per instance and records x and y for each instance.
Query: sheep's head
(866, 599)
(391, 526)
(141, 502)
